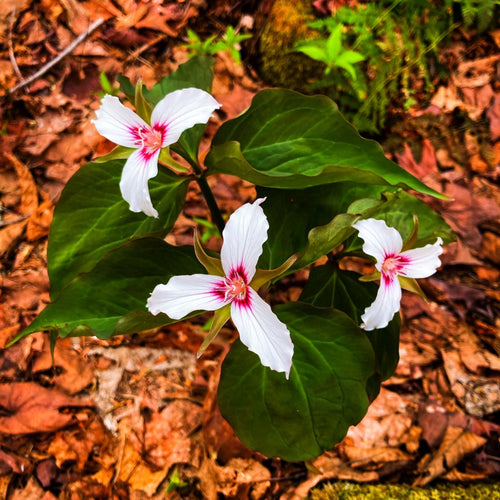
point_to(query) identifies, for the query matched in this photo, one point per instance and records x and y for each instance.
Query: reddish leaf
(28, 407)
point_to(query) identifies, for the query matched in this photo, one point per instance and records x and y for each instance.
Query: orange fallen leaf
(73, 372)
(39, 223)
(29, 191)
(28, 407)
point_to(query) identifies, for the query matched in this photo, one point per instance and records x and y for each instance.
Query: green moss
(287, 24)
(444, 491)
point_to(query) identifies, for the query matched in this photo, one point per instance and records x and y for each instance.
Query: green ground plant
(398, 42)
(351, 491)
(229, 42)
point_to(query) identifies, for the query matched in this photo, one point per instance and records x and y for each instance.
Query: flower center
(150, 138)
(236, 288)
(394, 265)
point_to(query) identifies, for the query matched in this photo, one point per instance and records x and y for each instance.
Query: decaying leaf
(456, 444)
(71, 371)
(28, 407)
(478, 395)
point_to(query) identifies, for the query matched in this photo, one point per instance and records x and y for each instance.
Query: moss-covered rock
(285, 25)
(448, 491)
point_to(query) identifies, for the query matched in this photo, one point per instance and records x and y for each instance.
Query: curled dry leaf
(456, 444)
(28, 407)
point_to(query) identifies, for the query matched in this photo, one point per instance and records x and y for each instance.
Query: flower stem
(199, 175)
(212, 204)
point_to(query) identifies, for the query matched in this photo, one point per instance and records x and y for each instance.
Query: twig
(146, 46)
(79, 39)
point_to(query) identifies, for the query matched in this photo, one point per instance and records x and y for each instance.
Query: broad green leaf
(91, 218)
(299, 418)
(398, 211)
(111, 298)
(328, 286)
(289, 140)
(314, 218)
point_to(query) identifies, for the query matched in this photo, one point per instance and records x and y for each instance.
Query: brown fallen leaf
(9, 462)
(326, 467)
(29, 191)
(166, 435)
(456, 444)
(28, 407)
(240, 478)
(77, 445)
(478, 395)
(427, 165)
(32, 491)
(73, 372)
(39, 223)
(372, 458)
(10, 233)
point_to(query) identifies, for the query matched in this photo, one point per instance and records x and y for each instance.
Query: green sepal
(142, 107)
(412, 239)
(166, 159)
(211, 264)
(119, 153)
(370, 277)
(411, 285)
(263, 276)
(219, 320)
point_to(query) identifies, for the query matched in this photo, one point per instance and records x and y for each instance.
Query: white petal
(185, 294)
(138, 169)
(263, 333)
(379, 239)
(180, 110)
(422, 262)
(118, 123)
(243, 237)
(385, 306)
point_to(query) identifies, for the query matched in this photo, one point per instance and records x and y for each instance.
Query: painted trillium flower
(231, 290)
(395, 268)
(175, 113)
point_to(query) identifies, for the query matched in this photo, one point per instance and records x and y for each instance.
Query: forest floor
(130, 417)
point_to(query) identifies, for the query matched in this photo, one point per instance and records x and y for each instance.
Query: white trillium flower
(395, 267)
(175, 113)
(259, 328)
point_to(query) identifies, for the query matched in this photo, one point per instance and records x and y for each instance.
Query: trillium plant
(299, 372)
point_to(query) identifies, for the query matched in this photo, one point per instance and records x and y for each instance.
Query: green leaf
(334, 44)
(299, 418)
(288, 140)
(92, 218)
(111, 298)
(314, 51)
(301, 218)
(328, 286)
(350, 57)
(398, 211)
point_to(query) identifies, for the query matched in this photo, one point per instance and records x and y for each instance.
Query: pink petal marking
(393, 265)
(148, 139)
(234, 287)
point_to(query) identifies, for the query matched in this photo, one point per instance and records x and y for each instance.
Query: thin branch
(79, 39)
